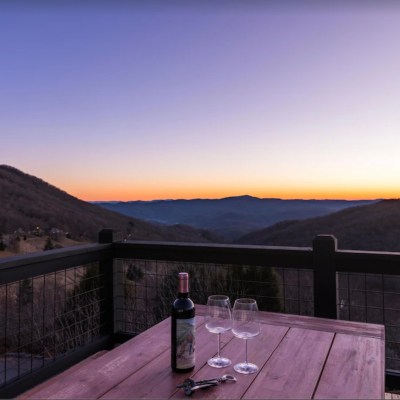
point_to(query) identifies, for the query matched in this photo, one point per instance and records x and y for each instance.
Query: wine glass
(246, 325)
(218, 320)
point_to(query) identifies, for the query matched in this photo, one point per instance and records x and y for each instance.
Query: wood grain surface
(299, 357)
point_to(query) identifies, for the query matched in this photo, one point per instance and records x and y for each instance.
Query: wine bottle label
(185, 343)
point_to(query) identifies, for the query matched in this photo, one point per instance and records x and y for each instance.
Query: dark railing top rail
(25, 266)
(297, 257)
(367, 262)
(216, 253)
(21, 266)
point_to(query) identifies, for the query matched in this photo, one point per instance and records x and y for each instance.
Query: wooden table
(299, 357)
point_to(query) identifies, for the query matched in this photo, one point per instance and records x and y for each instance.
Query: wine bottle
(183, 328)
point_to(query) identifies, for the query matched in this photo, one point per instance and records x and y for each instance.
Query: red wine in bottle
(183, 328)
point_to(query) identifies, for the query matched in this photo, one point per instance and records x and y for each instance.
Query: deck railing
(60, 306)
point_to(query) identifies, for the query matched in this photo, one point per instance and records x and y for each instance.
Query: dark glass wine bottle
(183, 328)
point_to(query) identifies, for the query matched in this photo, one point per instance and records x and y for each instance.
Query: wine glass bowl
(218, 318)
(245, 325)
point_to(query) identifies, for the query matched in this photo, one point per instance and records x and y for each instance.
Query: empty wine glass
(246, 325)
(218, 320)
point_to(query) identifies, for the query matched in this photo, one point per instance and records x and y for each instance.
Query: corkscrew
(190, 385)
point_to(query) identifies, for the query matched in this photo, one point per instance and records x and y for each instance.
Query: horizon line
(241, 196)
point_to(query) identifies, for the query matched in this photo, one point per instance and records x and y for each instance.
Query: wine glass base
(219, 362)
(245, 368)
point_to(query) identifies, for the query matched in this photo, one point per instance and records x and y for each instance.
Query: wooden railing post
(107, 280)
(110, 236)
(324, 248)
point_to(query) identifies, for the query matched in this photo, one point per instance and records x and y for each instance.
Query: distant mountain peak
(241, 197)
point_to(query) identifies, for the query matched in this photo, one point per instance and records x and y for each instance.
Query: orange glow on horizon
(147, 194)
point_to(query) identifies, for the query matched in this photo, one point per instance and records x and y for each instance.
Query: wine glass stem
(246, 349)
(219, 343)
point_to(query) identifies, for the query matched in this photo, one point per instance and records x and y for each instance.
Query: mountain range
(230, 217)
(27, 202)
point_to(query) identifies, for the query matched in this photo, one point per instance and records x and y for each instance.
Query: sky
(144, 100)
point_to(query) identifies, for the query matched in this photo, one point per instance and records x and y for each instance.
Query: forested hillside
(28, 203)
(369, 227)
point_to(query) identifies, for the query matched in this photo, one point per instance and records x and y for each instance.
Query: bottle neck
(183, 286)
(183, 295)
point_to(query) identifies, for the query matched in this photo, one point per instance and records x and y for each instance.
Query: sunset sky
(141, 100)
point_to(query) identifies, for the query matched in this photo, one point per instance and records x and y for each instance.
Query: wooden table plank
(32, 393)
(156, 379)
(108, 370)
(354, 374)
(260, 349)
(323, 324)
(294, 369)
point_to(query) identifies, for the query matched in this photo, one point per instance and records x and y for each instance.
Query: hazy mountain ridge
(230, 217)
(27, 202)
(374, 227)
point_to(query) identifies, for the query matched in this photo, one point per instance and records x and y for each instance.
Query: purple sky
(143, 100)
